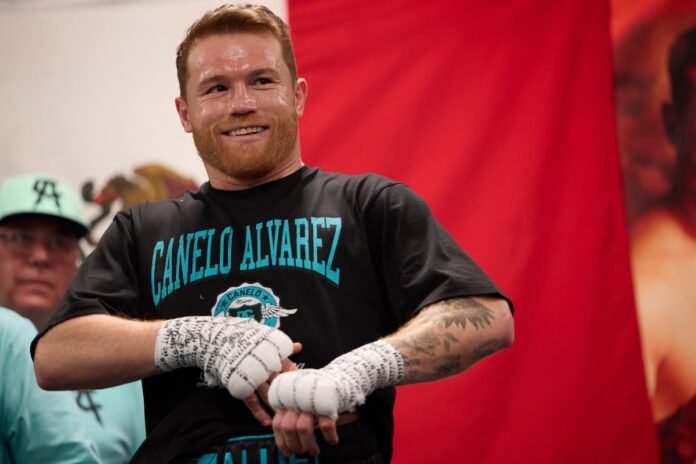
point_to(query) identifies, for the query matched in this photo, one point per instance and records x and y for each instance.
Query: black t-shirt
(334, 261)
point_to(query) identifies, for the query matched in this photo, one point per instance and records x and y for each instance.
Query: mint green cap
(44, 195)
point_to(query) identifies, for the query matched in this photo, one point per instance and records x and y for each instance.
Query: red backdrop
(499, 113)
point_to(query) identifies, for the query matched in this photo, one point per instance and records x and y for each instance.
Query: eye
(62, 244)
(22, 238)
(217, 88)
(263, 81)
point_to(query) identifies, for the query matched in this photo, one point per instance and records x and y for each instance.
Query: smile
(245, 131)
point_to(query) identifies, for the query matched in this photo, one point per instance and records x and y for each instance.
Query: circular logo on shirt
(252, 301)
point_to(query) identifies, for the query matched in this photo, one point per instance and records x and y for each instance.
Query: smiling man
(243, 119)
(279, 298)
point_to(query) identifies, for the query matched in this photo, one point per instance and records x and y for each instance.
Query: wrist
(237, 353)
(174, 346)
(188, 341)
(369, 367)
(343, 384)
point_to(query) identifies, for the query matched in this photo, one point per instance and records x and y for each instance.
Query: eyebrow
(255, 73)
(261, 71)
(210, 80)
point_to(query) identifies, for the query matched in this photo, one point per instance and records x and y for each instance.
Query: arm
(447, 337)
(100, 350)
(444, 339)
(96, 351)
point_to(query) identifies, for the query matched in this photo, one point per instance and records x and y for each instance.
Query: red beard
(247, 160)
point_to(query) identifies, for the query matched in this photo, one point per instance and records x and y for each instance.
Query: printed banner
(655, 75)
(500, 114)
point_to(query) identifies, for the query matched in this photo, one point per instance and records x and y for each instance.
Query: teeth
(245, 130)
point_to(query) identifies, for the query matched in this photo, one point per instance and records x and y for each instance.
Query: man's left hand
(294, 431)
(255, 402)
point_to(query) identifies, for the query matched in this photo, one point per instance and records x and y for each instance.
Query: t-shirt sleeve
(107, 282)
(419, 262)
(36, 425)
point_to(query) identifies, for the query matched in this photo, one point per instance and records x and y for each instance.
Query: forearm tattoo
(428, 342)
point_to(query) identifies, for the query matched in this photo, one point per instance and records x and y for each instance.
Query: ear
(182, 109)
(300, 96)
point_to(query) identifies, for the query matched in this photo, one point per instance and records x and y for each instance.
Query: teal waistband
(263, 456)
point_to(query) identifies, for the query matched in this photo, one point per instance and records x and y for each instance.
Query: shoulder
(659, 230)
(186, 200)
(366, 182)
(14, 327)
(661, 245)
(663, 261)
(364, 189)
(16, 334)
(158, 213)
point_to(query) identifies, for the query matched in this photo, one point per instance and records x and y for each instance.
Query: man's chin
(246, 166)
(30, 305)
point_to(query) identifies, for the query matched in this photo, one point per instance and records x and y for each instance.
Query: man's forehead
(239, 48)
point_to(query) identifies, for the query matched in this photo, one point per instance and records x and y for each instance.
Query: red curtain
(499, 113)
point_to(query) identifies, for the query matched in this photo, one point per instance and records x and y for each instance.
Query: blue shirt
(115, 418)
(35, 425)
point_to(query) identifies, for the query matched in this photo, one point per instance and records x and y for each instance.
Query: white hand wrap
(237, 353)
(341, 385)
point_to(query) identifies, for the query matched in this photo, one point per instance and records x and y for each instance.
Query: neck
(40, 321)
(222, 181)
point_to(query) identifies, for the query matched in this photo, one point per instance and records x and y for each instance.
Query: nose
(242, 101)
(39, 253)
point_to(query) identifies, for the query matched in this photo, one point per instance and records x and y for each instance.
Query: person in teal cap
(40, 227)
(35, 425)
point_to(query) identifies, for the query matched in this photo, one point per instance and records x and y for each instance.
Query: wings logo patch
(253, 301)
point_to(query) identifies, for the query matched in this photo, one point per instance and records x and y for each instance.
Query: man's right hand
(237, 353)
(255, 402)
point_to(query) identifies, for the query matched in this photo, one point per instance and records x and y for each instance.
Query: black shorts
(356, 445)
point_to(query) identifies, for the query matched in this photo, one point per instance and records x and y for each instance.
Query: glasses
(22, 242)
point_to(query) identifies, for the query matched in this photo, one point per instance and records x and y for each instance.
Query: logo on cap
(45, 190)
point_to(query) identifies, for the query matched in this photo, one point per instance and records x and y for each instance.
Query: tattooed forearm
(449, 365)
(420, 343)
(487, 348)
(459, 312)
(444, 339)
